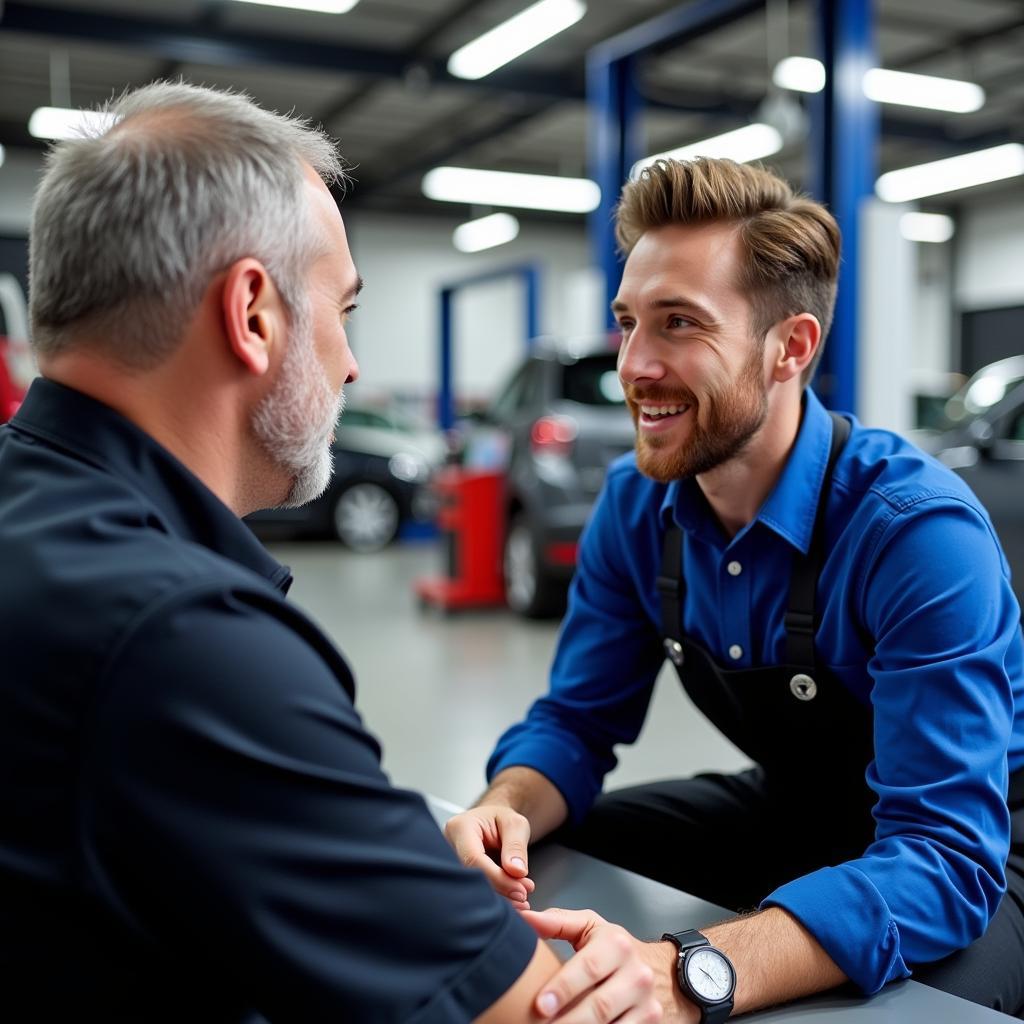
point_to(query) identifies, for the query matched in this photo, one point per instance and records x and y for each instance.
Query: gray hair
(130, 224)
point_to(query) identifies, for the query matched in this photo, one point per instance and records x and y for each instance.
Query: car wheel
(528, 590)
(365, 517)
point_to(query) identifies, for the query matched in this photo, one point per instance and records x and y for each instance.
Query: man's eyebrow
(672, 302)
(354, 290)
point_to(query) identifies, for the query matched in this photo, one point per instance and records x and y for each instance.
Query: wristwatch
(705, 975)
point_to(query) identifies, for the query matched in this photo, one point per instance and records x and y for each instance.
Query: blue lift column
(843, 149)
(615, 142)
(529, 274)
(614, 145)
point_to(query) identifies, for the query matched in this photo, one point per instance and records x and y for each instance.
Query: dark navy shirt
(918, 620)
(194, 824)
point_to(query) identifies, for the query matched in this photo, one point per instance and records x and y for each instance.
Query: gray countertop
(647, 909)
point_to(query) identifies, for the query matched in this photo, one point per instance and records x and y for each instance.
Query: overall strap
(800, 615)
(801, 618)
(671, 592)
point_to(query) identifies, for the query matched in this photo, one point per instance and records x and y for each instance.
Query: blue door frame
(529, 274)
(842, 149)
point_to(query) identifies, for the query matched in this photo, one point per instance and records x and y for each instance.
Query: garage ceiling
(376, 78)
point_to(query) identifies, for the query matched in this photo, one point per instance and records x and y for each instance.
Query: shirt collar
(186, 507)
(789, 509)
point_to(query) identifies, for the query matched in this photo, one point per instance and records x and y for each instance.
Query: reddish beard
(721, 424)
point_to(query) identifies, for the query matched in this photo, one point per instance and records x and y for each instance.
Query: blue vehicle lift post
(842, 147)
(530, 276)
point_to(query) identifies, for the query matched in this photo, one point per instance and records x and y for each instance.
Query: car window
(593, 381)
(519, 392)
(1016, 431)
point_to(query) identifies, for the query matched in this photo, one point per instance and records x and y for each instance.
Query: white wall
(406, 261)
(18, 177)
(990, 255)
(886, 308)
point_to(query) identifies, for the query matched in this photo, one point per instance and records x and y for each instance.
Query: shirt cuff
(843, 910)
(560, 764)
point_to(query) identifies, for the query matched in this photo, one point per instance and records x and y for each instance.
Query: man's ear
(796, 340)
(254, 315)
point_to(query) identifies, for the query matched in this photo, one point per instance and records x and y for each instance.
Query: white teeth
(662, 410)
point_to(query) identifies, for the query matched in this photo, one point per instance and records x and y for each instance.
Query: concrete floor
(438, 690)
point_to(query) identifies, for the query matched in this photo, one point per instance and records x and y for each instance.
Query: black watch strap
(710, 1013)
(686, 939)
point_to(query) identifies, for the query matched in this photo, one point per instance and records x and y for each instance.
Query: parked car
(382, 468)
(563, 418)
(987, 450)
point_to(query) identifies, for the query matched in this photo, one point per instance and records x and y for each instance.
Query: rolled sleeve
(936, 596)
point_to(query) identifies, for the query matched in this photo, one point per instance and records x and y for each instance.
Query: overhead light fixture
(485, 232)
(752, 142)
(926, 227)
(805, 74)
(67, 123)
(955, 172)
(799, 74)
(320, 6)
(504, 188)
(514, 37)
(923, 91)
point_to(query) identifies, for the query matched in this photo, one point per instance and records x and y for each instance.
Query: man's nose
(638, 359)
(353, 373)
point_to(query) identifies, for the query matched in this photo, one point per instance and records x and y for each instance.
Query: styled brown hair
(790, 243)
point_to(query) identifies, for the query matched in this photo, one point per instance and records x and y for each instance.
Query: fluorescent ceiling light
(751, 142)
(502, 188)
(64, 123)
(923, 91)
(926, 227)
(805, 74)
(800, 74)
(514, 37)
(320, 6)
(955, 172)
(485, 232)
(2, 154)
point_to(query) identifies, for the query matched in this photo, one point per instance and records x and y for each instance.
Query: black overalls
(733, 839)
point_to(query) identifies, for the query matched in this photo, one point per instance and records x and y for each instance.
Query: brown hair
(790, 243)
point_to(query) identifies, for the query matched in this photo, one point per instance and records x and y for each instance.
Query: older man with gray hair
(194, 824)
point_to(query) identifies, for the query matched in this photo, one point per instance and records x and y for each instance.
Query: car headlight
(405, 466)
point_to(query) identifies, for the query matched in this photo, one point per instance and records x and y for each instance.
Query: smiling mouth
(661, 413)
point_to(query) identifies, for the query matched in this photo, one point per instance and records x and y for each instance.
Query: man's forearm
(775, 957)
(531, 794)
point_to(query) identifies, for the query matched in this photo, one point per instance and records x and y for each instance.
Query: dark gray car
(564, 419)
(988, 452)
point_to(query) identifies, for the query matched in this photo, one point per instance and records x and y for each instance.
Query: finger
(467, 836)
(511, 888)
(627, 991)
(514, 830)
(572, 926)
(589, 970)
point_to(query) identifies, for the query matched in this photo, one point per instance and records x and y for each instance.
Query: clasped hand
(612, 977)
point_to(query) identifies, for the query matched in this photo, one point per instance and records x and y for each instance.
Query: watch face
(709, 974)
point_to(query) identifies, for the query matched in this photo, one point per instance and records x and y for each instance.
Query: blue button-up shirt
(918, 620)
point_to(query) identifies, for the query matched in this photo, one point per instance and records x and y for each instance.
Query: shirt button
(734, 568)
(735, 652)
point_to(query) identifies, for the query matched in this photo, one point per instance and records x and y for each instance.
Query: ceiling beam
(417, 52)
(212, 44)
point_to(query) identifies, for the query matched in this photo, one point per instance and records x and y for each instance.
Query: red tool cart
(470, 519)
